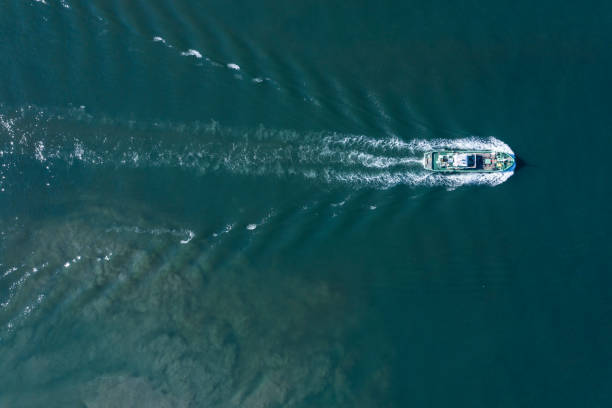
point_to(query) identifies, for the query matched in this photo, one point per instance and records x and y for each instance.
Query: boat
(466, 161)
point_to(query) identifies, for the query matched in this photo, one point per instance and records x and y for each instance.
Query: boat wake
(328, 157)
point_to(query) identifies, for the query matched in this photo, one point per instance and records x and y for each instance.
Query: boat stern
(428, 160)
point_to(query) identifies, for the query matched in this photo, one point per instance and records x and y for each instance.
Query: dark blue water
(222, 204)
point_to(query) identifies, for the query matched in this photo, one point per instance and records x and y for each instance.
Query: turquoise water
(222, 204)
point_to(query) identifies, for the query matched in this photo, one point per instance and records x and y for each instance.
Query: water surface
(214, 204)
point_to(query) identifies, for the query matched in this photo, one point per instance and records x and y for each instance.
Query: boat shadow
(521, 164)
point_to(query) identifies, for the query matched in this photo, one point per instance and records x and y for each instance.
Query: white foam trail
(189, 238)
(469, 143)
(356, 160)
(39, 152)
(192, 53)
(391, 143)
(425, 178)
(163, 41)
(186, 233)
(233, 66)
(380, 162)
(225, 230)
(263, 221)
(16, 285)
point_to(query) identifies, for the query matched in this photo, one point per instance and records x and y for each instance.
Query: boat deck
(486, 161)
(427, 161)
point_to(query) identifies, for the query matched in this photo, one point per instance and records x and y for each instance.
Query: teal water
(221, 204)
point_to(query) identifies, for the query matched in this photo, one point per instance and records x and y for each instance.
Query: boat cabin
(457, 160)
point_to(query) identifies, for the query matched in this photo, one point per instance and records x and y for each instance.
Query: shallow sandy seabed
(154, 323)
